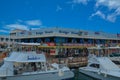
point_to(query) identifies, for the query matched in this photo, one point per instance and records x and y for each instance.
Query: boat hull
(68, 75)
(97, 75)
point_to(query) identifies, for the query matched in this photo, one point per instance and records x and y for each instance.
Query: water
(80, 76)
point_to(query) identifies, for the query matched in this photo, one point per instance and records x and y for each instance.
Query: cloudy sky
(94, 15)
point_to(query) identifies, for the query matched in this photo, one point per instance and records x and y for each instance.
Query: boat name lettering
(33, 57)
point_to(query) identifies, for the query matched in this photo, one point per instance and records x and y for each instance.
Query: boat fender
(61, 73)
(105, 75)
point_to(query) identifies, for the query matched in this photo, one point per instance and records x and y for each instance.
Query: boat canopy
(26, 57)
(107, 63)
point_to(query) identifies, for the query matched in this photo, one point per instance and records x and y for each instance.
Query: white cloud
(19, 21)
(33, 22)
(79, 1)
(111, 17)
(4, 31)
(24, 25)
(17, 26)
(112, 5)
(39, 27)
(58, 8)
(98, 13)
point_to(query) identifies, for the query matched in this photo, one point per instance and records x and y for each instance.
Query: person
(34, 66)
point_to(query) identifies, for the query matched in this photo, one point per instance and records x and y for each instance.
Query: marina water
(80, 76)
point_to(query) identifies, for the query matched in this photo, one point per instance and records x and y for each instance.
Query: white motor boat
(32, 66)
(101, 68)
(115, 56)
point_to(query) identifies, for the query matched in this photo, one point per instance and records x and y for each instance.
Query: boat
(101, 67)
(29, 65)
(115, 56)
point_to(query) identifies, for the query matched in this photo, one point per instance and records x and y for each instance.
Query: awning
(61, 46)
(30, 44)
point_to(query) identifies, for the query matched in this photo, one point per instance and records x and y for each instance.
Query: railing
(5, 72)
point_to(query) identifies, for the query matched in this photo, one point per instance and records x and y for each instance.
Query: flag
(118, 35)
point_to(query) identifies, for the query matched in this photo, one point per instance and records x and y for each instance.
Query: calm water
(80, 76)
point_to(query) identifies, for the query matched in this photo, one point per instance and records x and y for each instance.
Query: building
(55, 37)
(5, 41)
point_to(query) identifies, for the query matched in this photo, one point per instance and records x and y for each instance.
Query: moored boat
(32, 66)
(101, 67)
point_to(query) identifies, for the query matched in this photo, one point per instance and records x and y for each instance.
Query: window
(95, 65)
(115, 55)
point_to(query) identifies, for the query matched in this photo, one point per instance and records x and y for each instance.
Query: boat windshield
(95, 65)
(115, 55)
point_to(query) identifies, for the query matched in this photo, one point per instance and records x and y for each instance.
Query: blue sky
(94, 15)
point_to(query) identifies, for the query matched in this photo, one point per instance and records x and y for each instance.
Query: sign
(65, 32)
(97, 33)
(51, 44)
(52, 52)
(33, 58)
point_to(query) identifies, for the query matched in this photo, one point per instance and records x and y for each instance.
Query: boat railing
(62, 65)
(5, 72)
(28, 69)
(115, 57)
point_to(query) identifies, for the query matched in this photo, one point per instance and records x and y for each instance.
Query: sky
(93, 15)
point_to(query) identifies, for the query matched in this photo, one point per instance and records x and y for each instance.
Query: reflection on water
(80, 76)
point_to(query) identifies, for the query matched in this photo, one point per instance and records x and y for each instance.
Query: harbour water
(80, 76)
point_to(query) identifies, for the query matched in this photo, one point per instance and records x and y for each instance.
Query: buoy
(61, 73)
